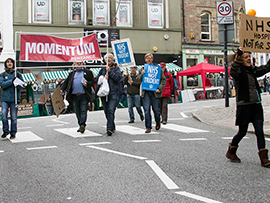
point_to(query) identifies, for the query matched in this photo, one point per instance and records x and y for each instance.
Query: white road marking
(54, 125)
(47, 147)
(229, 138)
(21, 128)
(132, 130)
(26, 136)
(91, 123)
(94, 143)
(163, 177)
(183, 129)
(116, 152)
(268, 139)
(73, 132)
(197, 197)
(176, 119)
(183, 115)
(58, 121)
(1, 151)
(140, 141)
(193, 139)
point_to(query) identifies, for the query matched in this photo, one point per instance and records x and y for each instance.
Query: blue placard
(122, 52)
(151, 77)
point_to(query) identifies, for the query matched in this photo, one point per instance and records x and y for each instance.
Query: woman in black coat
(248, 104)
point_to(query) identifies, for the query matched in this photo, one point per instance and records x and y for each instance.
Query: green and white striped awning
(29, 77)
(170, 67)
(49, 76)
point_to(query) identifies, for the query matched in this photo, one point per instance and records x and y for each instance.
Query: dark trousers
(109, 105)
(80, 103)
(164, 108)
(258, 126)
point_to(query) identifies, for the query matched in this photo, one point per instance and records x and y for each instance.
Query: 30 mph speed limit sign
(225, 12)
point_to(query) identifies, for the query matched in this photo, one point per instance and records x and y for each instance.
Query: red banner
(49, 48)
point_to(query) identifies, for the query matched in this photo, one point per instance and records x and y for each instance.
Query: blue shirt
(77, 86)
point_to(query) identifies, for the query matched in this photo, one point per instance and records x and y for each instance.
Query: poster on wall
(124, 13)
(76, 11)
(101, 12)
(155, 15)
(41, 11)
(105, 36)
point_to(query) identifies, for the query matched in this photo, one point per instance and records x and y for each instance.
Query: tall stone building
(200, 39)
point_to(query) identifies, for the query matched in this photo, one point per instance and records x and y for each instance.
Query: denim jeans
(149, 100)
(136, 100)
(13, 115)
(109, 105)
(120, 98)
(258, 126)
(80, 103)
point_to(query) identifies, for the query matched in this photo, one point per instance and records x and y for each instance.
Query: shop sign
(25, 109)
(192, 51)
(212, 52)
(54, 49)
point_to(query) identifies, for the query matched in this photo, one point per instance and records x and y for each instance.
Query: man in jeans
(133, 89)
(78, 86)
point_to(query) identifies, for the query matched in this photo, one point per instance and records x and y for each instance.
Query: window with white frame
(77, 11)
(124, 13)
(41, 11)
(155, 13)
(101, 12)
(205, 27)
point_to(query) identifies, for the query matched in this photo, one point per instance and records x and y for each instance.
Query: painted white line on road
(91, 123)
(1, 151)
(47, 147)
(163, 177)
(21, 128)
(116, 152)
(26, 136)
(141, 141)
(176, 119)
(268, 139)
(57, 121)
(73, 132)
(54, 125)
(193, 139)
(132, 130)
(229, 138)
(183, 129)
(94, 143)
(183, 115)
(197, 197)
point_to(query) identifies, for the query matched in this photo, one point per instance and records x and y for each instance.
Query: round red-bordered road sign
(224, 9)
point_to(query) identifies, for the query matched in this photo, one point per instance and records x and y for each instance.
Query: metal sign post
(225, 16)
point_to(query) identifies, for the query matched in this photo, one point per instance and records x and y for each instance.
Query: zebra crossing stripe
(73, 132)
(26, 136)
(132, 130)
(183, 129)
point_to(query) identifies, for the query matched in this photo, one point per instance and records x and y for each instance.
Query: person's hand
(84, 84)
(61, 91)
(130, 82)
(143, 72)
(107, 68)
(107, 76)
(157, 91)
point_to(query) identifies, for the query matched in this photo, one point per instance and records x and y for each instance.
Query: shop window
(124, 13)
(41, 11)
(101, 12)
(77, 12)
(205, 27)
(155, 14)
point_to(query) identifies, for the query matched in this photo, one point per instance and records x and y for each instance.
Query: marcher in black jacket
(78, 86)
(248, 104)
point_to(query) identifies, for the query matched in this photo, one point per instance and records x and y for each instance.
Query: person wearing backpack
(7, 84)
(113, 75)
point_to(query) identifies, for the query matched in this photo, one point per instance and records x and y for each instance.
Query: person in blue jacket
(8, 98)
(113, 74)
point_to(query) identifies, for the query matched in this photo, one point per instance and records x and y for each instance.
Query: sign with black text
(254, 34)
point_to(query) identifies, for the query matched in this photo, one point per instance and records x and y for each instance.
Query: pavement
(225, 116)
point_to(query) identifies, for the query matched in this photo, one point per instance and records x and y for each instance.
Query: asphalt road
(182, 162)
